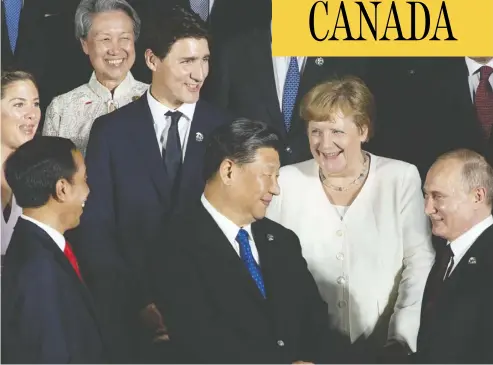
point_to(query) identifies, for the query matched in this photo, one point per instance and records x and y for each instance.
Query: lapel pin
(319, 61)
(472, 260)
(270, 237)
(199, 137)
(136, 97)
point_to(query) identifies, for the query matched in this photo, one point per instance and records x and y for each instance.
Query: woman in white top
(107, 30)
(360, 219)
(20, 120)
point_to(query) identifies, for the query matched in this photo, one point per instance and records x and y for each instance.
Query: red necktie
(483, 100)
(73, 260)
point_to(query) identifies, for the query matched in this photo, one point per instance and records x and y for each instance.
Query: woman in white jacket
(360, 219)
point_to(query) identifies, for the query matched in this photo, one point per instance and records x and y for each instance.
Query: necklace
(360, 177)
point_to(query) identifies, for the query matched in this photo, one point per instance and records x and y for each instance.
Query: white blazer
(373, 264)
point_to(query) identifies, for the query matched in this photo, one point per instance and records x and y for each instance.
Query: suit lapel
(146, 142)
(61, 260)
(195, 147)
(225, 254)
(472, 258)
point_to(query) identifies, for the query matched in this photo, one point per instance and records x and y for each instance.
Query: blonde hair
(347, 95)
(476, 171)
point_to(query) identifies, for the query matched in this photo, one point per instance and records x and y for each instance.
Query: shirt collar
(474, 66)
(229, 228)
(121, 90)
(53, 233)
(188, 110)
(461, 244)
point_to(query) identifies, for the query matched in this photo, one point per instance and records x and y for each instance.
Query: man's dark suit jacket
(461, 327)
(242, 81)
(45, 45)
(128, 205)
(47, 313)
(214, 310)
(424, 109)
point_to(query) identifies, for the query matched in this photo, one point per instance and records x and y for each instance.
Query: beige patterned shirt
(71, 115)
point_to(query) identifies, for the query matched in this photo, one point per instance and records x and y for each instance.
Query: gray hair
(476, 171)
(87, 8)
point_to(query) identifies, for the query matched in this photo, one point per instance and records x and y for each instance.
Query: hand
(394, 353)
(152, 320)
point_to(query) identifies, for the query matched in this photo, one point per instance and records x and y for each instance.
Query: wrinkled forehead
(444, 176)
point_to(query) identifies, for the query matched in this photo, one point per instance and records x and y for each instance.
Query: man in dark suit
(429, 106)
(457, 316)
(234, 286)
(246, 80)
(34, 35)
(144, 164)
(47, 312)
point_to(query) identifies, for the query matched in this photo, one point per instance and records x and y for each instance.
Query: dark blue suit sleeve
(38, 334)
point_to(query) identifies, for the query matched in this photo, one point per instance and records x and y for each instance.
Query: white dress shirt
(473, 68)
(461, 244)
(230, 229)
(162, 122)
(370, 266)
(8, 226)
(53, 233)
(71, 115)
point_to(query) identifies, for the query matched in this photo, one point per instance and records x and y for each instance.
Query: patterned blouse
(71, 115)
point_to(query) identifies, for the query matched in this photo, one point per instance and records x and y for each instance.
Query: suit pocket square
(48, 15)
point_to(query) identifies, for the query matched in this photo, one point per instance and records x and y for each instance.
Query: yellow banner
(382, 28)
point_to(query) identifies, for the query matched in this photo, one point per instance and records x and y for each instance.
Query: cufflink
(270, 237)
(319, 61)
(199, 137)
(472, 260)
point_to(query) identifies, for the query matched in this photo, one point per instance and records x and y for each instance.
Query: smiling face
(20, 113)
(335, 144)
(447, 203)
(178, 78)
(254, 184)
(75, 192)
(110, 46)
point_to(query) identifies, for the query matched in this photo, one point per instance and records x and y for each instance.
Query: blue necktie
(201, 7)
(248, 259)
(12, 15)
(290, 91)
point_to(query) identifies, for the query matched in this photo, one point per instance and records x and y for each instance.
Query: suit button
(340, 256)
(341, 280)
(342, 304)
(280, 343)
(339, 233)
(288, 149)
(411, 71)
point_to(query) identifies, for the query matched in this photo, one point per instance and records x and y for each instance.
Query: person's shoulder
(275, 229)
(214, 115)
(117, 118)
(388, 167)
(70, 99)
(140, 87)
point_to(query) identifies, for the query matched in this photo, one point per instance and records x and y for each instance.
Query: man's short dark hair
(33, 170)
(238, 141)
(163, 29)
